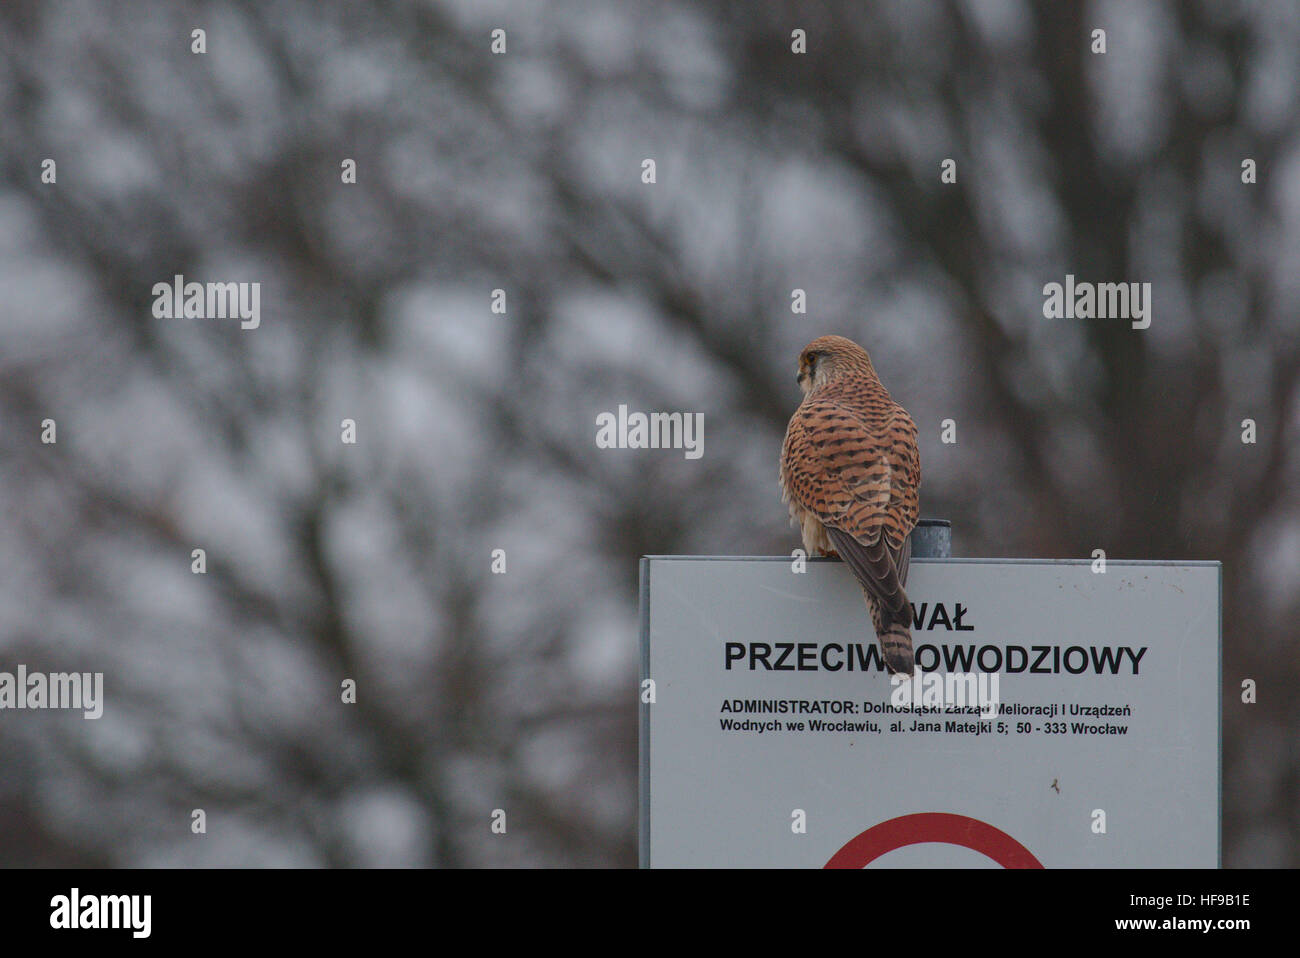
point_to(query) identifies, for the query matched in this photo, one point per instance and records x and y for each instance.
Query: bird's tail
(896, 644)
(894, 630)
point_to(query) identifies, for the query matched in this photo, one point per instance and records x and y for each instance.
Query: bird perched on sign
(851, 471)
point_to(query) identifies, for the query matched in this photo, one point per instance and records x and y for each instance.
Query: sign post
(1060, 716)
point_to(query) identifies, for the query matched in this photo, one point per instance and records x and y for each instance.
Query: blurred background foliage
(522, 172)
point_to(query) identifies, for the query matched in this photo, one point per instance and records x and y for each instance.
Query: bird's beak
(799, 377)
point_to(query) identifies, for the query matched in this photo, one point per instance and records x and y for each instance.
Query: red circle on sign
(933, 827)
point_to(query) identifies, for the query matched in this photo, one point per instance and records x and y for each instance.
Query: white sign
(1061, 716)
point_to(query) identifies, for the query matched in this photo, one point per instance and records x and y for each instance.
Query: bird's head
(829, 357)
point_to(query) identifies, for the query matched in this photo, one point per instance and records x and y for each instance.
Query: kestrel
(851, 470)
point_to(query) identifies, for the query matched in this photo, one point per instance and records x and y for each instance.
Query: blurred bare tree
(521, 172)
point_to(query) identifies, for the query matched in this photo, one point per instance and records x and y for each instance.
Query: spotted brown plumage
(851, 471)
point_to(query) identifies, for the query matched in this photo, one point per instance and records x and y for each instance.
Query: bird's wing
(860, 480)
(904, 488)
